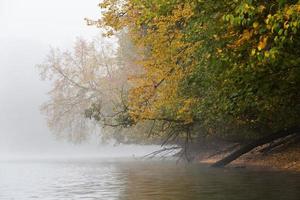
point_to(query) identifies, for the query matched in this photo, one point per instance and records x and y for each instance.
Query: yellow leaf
(286, 25)
(289, 11)
(244, 37)
(267, 54)
(255, 25)
(262, 43)
(261, 8)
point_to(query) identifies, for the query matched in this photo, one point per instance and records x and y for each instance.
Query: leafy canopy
(221, 65)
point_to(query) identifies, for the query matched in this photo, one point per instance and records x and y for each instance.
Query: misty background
(28, 29)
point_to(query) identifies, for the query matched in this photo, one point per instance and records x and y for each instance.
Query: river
(140, 180)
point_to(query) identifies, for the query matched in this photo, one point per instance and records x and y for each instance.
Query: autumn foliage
(221, 64)
(229, 68)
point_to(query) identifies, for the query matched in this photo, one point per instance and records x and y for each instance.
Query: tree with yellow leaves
(229, 66)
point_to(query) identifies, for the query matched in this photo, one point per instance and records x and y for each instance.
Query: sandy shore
(285, 160)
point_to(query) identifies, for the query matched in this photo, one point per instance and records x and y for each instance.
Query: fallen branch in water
(223, 151)
(280, 143)
(248, 147)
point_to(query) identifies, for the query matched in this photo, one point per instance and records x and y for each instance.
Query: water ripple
(139, 181)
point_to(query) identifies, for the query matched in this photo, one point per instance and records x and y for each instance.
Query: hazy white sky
(54, 22)
(28, 29)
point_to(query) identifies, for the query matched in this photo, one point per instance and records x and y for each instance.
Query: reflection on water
(133, 180)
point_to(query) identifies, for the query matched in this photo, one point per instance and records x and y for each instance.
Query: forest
(184, 73)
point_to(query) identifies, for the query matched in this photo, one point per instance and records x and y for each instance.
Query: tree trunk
(248, 147)
(280, 143)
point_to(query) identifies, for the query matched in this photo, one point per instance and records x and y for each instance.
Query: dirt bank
(287, 159)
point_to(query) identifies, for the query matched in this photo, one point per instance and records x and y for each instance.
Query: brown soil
(287, 159)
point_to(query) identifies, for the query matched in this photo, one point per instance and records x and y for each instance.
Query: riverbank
(283, 160)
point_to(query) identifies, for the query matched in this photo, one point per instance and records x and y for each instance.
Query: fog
(28, 29)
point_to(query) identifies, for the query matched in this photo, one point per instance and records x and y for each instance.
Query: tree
(90, 91)
(228, 67)
(79, 80)
(249, 81)
(211, 68)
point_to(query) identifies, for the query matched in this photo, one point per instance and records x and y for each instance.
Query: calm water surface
(137, 180)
